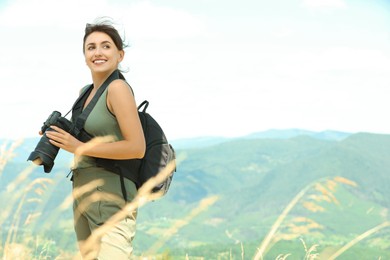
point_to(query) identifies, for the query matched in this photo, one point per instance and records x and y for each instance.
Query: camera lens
(44, 153)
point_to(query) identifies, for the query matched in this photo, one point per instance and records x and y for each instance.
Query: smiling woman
(115, 120)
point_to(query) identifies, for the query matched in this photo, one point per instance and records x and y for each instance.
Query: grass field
(27, 233)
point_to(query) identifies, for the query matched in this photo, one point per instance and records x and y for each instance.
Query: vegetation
(300, 197)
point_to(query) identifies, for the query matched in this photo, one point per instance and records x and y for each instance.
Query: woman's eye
(90, 48)
(106, 46)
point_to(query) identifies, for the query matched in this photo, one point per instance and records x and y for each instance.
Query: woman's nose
(98, 51)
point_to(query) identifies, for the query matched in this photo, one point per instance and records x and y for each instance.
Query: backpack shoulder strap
(80, 120)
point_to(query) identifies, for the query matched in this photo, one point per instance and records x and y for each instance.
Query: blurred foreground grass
(28, 234)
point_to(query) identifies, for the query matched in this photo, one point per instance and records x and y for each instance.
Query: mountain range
(250, 180)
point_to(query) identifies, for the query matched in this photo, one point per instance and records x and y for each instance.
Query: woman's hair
(104, 25)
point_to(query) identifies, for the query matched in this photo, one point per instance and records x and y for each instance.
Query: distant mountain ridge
(290, 133)
(205, 141)
(200, 142)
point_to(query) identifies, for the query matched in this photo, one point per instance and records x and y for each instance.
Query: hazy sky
(208, 67)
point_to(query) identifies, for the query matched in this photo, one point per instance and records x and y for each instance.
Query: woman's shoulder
(119, 82)
(119, 85)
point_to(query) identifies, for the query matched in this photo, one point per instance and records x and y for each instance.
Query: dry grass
(203, 205)
(358, 239)
(310, 252)
(7, 153)
(22, 192)
(324, 191)
(143, 196)
(236, 241)
(14, 250)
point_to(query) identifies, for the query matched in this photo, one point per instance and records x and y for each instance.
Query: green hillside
(226, 196)
(255, 179)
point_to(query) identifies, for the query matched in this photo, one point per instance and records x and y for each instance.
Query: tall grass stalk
(236, 241)
(143, 196)
(358, 239)
(12, 195)
(7, 153)
(319, 187)
(51, 220)
(309, 252)
(278, 222)
(203, 205)
(12, 233)
(282, 256)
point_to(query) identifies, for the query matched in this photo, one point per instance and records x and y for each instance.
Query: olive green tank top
(100, 122)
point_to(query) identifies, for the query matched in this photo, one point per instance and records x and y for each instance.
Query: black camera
(45, 153)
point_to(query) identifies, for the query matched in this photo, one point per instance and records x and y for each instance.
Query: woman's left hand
(63, 139)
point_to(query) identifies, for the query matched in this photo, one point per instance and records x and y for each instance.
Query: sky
(208, 67)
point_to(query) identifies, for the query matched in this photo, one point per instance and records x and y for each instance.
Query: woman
(116, 116)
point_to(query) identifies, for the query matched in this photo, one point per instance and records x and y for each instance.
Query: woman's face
(101, 54)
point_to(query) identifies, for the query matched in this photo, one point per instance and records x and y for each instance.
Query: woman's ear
(121, 55)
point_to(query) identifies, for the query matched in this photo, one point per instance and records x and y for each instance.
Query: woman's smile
(99, 61)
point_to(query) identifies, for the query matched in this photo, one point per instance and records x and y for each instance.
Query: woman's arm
(121, 103)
